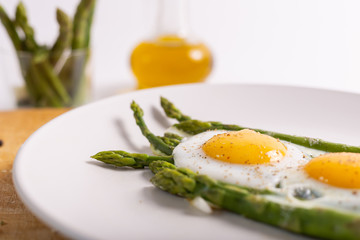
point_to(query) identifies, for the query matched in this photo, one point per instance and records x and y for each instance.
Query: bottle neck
(172, 18)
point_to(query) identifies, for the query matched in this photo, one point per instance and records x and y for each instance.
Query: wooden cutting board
(16, 222)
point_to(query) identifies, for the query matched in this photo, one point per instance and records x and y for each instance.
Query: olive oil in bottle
(171, 57)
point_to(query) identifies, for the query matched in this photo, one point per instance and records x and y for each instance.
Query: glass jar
(65, 83)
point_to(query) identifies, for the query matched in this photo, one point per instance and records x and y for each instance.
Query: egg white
(282, 176)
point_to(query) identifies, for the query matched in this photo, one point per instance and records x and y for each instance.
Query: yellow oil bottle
(171, 57)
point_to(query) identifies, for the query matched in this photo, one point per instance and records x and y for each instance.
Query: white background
(312, 43)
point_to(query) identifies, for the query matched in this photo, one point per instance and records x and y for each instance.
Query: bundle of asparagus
(54, 75)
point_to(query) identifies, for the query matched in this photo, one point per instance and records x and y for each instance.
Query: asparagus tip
(136, 108)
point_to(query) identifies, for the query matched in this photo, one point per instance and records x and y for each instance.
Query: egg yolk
(336, 169)
(244, 147)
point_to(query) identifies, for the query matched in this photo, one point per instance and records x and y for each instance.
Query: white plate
(83, 198)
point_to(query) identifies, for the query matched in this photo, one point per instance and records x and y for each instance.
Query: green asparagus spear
(196, 126)
(21, 20)
(64, 39)
(259, 205)
(157, 142)
(175, 182)
(11, 29)
(171, 139)
(81, 23)
(193, 127)
(171, 111)
(157, 166)
(136, 160)
(125, 159)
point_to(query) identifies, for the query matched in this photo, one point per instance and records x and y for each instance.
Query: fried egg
(301, 175)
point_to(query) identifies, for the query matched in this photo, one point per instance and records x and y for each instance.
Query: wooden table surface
(16, 222)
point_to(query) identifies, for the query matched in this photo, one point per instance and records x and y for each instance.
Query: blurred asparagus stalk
(64, 39)
(52, 78)
(10, 28)
(21, 20)
(82, 24)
